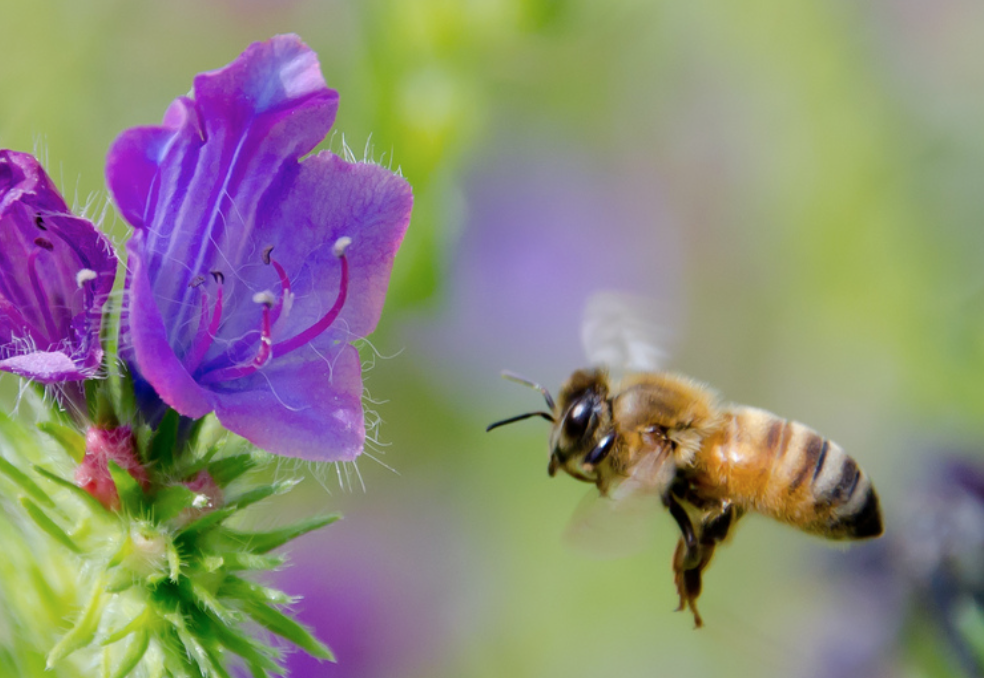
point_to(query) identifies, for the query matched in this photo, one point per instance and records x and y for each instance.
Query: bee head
(582, 435)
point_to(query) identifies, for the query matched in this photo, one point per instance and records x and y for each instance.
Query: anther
(43, 243)
(39, 222)
(341, 245)
(196, 281)
(266, 254)
(217, 276)
(84, 276)
(265, 297)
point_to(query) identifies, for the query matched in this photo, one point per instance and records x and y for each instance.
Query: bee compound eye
(578, 418)
(600, 451)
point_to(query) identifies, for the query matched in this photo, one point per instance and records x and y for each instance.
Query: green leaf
(171, 501)
(48, 525)
(224, 471)
(94, 505)
(134, 653)
(264, 542)
(71, 440)
(131, 494)
(25, 483)
(277, 622)
(84, 630)
(161, 450)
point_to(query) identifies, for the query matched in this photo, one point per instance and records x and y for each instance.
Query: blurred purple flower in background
(925, 577)
(251, 270)
(546, 229)
(56, 271)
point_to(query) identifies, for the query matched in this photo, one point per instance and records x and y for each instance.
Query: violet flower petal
(214, 193)
(56, 271)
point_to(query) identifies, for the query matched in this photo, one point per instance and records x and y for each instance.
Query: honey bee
(653, 432)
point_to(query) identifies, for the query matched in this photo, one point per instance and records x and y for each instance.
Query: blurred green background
(798, 187)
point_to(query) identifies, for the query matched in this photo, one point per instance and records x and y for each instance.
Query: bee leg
(688, 581)
(691, 557)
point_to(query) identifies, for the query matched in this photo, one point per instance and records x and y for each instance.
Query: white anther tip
(265, 297)
(341, 245)
(84, 276)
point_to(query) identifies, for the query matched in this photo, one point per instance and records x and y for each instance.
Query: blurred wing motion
(603, 527)
(622, 331)
(625, 521)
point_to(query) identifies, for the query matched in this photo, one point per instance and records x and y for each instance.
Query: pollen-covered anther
(341, 245)
(265, 297)
(84, 275)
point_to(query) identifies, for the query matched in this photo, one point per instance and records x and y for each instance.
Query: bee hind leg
(688, 580)
(690, 557)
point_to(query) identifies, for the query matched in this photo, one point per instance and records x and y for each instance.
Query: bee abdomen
(790, 472)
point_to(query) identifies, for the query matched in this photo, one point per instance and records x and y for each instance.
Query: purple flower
(251, 270)
(56, 271)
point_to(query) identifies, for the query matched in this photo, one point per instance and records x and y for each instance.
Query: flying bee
(656, 433)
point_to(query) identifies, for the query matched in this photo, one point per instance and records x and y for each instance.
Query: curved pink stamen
(267, 349)
(321, 325)
(206, 332)
(284, 290)
(263, 356)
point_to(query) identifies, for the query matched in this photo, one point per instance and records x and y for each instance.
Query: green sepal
(25, 483)
(173, 561)
(240, 589)
(227, 469)
(277, 622)
(71, 440)
(141, 620)
(131, 494)
(261, 493)
(161, 449)
(134, 653)
(171, 501)
(236, 561)
(264, 542)
(48, 525)
(259, 658)
(94, 504)
(84, 630)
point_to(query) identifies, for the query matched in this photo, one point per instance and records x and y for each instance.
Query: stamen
(284, 284)
(44, 304)
(206, 330)
(39, 222)
(263, 355)
(328, 318)
(268, 349)
(83, 276)
(196, 281)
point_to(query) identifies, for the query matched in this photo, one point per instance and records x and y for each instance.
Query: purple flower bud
(56, 271)
(250, 269)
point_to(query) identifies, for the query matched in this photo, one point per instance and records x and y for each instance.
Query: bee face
(582, 436)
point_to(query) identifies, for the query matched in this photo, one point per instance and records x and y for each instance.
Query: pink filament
(205, 335)
(267, 349)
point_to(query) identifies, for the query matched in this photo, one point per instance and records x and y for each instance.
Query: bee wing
(622, 331)
(603, 527)
(624, 522)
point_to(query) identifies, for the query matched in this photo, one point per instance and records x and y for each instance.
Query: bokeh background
(797, 186)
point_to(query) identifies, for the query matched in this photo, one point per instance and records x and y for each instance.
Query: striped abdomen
(789, 472)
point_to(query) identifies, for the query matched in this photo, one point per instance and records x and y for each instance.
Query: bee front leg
(691, 554)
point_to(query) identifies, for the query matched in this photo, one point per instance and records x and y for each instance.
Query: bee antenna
(512, 376)
(520, 417)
